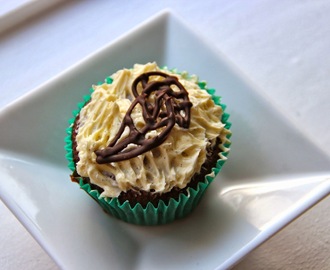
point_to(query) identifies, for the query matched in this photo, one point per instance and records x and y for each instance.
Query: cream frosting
(169, 165)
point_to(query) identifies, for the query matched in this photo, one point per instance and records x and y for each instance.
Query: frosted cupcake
(147, 143)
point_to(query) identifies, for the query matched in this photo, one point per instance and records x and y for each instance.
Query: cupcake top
(174, 144)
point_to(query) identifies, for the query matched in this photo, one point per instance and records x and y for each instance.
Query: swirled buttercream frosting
(149, 129)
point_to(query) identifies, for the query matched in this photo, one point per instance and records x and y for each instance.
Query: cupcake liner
(164, 212)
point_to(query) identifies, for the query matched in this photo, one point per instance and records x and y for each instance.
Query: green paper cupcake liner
(163, 213)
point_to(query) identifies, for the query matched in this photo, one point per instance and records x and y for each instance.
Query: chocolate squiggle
(167, 106)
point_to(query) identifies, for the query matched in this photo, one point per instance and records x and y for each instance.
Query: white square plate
(273, 174)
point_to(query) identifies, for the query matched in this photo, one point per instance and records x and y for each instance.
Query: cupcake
(147, 143)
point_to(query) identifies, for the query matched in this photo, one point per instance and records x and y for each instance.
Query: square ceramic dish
(274, 173)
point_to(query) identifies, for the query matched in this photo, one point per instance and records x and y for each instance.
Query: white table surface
(282, 46)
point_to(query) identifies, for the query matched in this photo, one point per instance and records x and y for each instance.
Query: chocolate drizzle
(164, 103)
